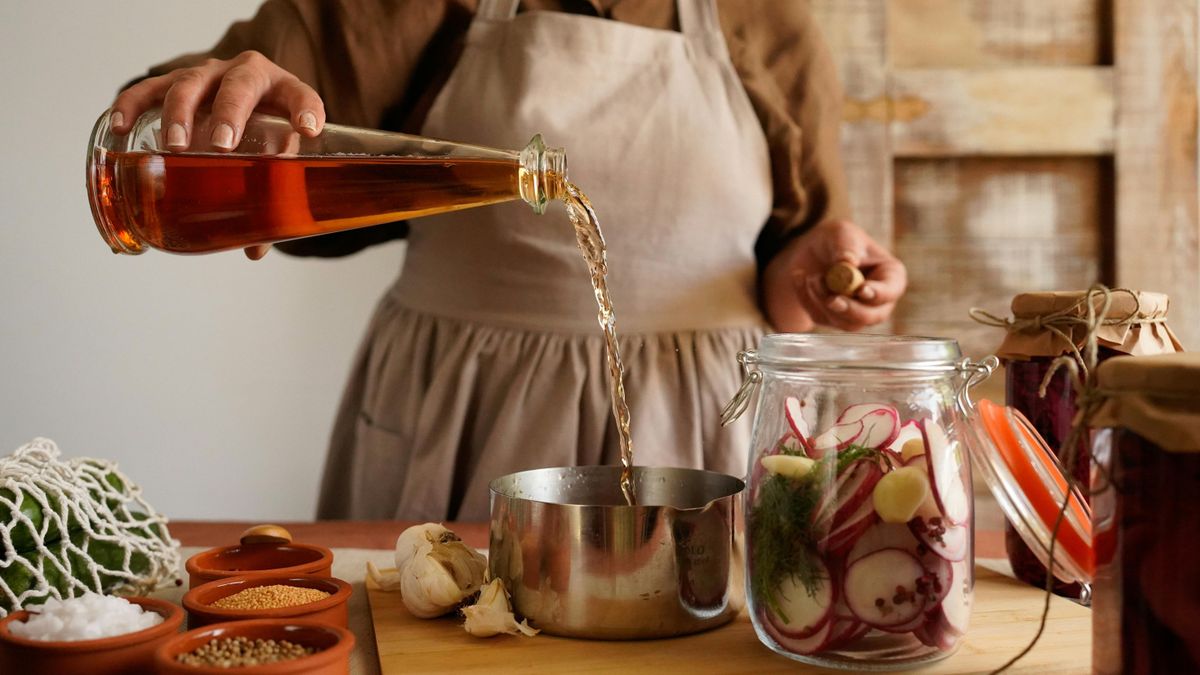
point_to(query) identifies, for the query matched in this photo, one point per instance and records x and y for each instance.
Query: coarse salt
(90, 616)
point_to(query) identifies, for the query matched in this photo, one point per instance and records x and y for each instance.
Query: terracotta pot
(333, 609)
(334, 658)
(246, 559)
(117, 655)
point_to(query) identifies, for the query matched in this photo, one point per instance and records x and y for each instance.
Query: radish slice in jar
(854, 486)
(909, 442)
(883, 535)
(808, 645)
(943, 539)
(956, 606)
(879, 428)
(793, 410)
(837, 438)
(881, 588)
(945, 463)
(938, 580)
(805, 614)
(844, 632)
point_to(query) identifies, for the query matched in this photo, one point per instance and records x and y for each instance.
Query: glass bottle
(1145, 618)
(279, 185)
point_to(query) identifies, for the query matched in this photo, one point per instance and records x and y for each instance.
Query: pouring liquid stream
(591, 244)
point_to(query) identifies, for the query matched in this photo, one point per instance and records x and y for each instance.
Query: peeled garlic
(492, 614)
(788, 466)
(435, 571)
(899, 494)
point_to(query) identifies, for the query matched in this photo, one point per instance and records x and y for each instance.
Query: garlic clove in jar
(492, 614)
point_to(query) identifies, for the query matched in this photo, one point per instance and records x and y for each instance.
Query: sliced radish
(935, 634)
(946, 540)
(837, 438)
(842, 539)
(946, 463)
(880, 588)
(938, 580)
(801, 615)
(809, 645)
(854, 485)
(879, 428)
(844, 632)
(909, 431)
(956, 606)
(793, 410)
(883, 535)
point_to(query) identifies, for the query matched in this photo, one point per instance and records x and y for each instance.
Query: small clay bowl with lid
(264, 549)
(333, 643)
(333, 609)
(116, 655)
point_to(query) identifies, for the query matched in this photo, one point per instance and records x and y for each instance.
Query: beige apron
(485, 357)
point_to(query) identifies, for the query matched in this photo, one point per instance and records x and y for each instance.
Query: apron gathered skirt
(486, 357)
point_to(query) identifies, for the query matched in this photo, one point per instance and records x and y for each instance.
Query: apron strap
(700, 24)
(496, 10)
(698, 18)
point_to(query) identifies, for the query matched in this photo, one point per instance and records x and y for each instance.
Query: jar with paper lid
(859, 508)
(1146, 598)
(1044, 326)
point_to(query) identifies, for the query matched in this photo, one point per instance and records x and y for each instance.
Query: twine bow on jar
(1083, 314)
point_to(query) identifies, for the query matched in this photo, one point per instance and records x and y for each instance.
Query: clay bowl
(270, 558)
(334, 642)
(333, 609)
(120, 654)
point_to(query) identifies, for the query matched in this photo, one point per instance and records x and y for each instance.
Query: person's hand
(794, 294)
(235, 88)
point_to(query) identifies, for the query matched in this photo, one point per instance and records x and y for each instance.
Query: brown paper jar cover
(1156, 397)
(1145, 333)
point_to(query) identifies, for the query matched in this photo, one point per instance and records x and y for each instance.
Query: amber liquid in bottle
(199, 203)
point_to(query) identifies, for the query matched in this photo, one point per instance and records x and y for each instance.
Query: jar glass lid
(1029, 483)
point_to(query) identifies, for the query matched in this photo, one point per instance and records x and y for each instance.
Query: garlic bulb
(492, 614)
(435, 571)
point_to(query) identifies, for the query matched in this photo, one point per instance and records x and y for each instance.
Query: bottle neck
(542, 174)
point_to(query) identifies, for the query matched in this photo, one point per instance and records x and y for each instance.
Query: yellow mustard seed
(270, 597)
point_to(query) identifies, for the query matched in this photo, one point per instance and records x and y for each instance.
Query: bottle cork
(844, 279)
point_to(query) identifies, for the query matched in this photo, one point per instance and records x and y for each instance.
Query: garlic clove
(492, 614)
(386, 581)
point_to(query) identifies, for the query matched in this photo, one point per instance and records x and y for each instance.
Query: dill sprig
(781, 525)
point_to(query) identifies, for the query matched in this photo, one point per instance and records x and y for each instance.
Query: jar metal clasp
(973, 373)
(740, 402)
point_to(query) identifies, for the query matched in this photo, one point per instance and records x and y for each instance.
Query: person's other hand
(794, 294)
(237, 87)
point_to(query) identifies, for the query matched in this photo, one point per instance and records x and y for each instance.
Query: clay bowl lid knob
(266, 534)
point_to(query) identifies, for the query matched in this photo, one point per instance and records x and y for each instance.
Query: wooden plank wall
(1017, 145)
(1157, 237)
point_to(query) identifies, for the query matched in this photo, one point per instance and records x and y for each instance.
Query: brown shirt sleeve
(792, 82)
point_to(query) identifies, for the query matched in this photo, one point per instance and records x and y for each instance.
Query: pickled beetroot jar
(859, 508)
(1146, 594)
(1043, 327)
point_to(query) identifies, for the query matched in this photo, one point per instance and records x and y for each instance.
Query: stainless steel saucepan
(581, 563)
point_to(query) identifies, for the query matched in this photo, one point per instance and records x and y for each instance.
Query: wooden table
(381, 534)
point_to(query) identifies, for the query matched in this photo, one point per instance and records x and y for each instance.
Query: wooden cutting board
(1004, 619)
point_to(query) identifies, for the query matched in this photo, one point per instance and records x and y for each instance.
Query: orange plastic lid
(1028, 482)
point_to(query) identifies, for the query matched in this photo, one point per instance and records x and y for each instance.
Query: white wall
(212, 380)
